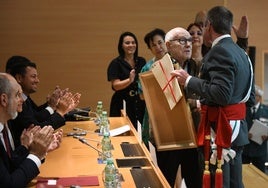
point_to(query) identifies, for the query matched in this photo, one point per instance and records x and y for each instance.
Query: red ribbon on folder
(168, 85)
(68, 181)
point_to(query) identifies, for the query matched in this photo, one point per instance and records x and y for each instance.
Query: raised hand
(75, 101)
(64, 103)
(132, 75)
(242, 30)
(53, 99)
(56, 141)
(181, 76)
(41, 142)
(26, 137)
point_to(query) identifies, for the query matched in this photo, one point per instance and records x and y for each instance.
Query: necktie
(253, 112)
(7, 142)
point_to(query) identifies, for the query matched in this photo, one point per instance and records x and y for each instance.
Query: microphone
(79, 129)
(81, 110)
(82, 130)
(91, 116)
(83, 140)
(81, 137)
(80, 117)
(77, 134)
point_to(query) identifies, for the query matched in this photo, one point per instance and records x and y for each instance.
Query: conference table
(75, 159)
(253, 177)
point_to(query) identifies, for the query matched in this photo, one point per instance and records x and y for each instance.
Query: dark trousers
(169, 161)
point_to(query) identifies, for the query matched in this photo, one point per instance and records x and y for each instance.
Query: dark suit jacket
(32, 114)
(193, 69)
(18, 171)
(225, 79)
(253, 149)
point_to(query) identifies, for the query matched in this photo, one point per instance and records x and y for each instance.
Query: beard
(13, 114)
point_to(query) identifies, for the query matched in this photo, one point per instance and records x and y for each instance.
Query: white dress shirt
(34, 158)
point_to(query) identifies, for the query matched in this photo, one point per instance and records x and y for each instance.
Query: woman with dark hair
(123, 74)
(195, 31)
(155, 41)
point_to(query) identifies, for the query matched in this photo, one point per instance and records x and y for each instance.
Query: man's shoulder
(264, 106)
(264, 110)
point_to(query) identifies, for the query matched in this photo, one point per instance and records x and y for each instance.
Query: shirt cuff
(50, 110)
(35, 159)
(187, 80)
(198, 104)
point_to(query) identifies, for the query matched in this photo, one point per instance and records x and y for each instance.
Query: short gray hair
(5, 85)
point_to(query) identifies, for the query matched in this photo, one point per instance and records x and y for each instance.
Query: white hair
(173, 32)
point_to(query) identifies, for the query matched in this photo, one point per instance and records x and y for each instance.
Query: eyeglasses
(183, 41)
(199, 33)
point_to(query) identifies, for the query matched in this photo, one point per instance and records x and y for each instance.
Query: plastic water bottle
(104, 124)
(99, 110)
(109, 174)
(106, 147)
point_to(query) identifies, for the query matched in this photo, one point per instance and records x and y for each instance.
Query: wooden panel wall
(258, 30)
(73, 41)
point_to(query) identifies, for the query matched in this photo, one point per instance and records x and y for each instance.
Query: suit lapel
(4, 156)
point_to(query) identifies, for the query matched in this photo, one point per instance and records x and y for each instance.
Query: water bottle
(109, 174)
(106, 147)
(104, 124)
(99, 110)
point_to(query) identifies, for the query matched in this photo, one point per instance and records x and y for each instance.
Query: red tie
(7, 142)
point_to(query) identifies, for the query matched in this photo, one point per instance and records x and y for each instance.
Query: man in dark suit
(253, 152)
(225, 87)
(51, 113)
(19, 167)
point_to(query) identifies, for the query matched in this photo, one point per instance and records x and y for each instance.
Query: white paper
(153, 153)
(52, 182)
(139, 131)
(119, 130)
(170, 86)
(257, 130)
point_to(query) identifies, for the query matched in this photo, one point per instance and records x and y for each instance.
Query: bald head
(179, 44)
(10, 97)
(5, 83)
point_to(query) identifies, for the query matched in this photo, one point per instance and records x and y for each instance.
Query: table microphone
(83, 140)
(80, 117)
(81, 110)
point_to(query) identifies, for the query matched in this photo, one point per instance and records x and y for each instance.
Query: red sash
(221, 116)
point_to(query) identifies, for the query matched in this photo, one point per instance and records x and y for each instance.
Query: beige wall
(73, 41)
(258, 29)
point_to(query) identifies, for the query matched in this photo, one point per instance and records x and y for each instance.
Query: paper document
(119, 130)
(139, 129)
(153, 153)
(257, 130)
(169, 85)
